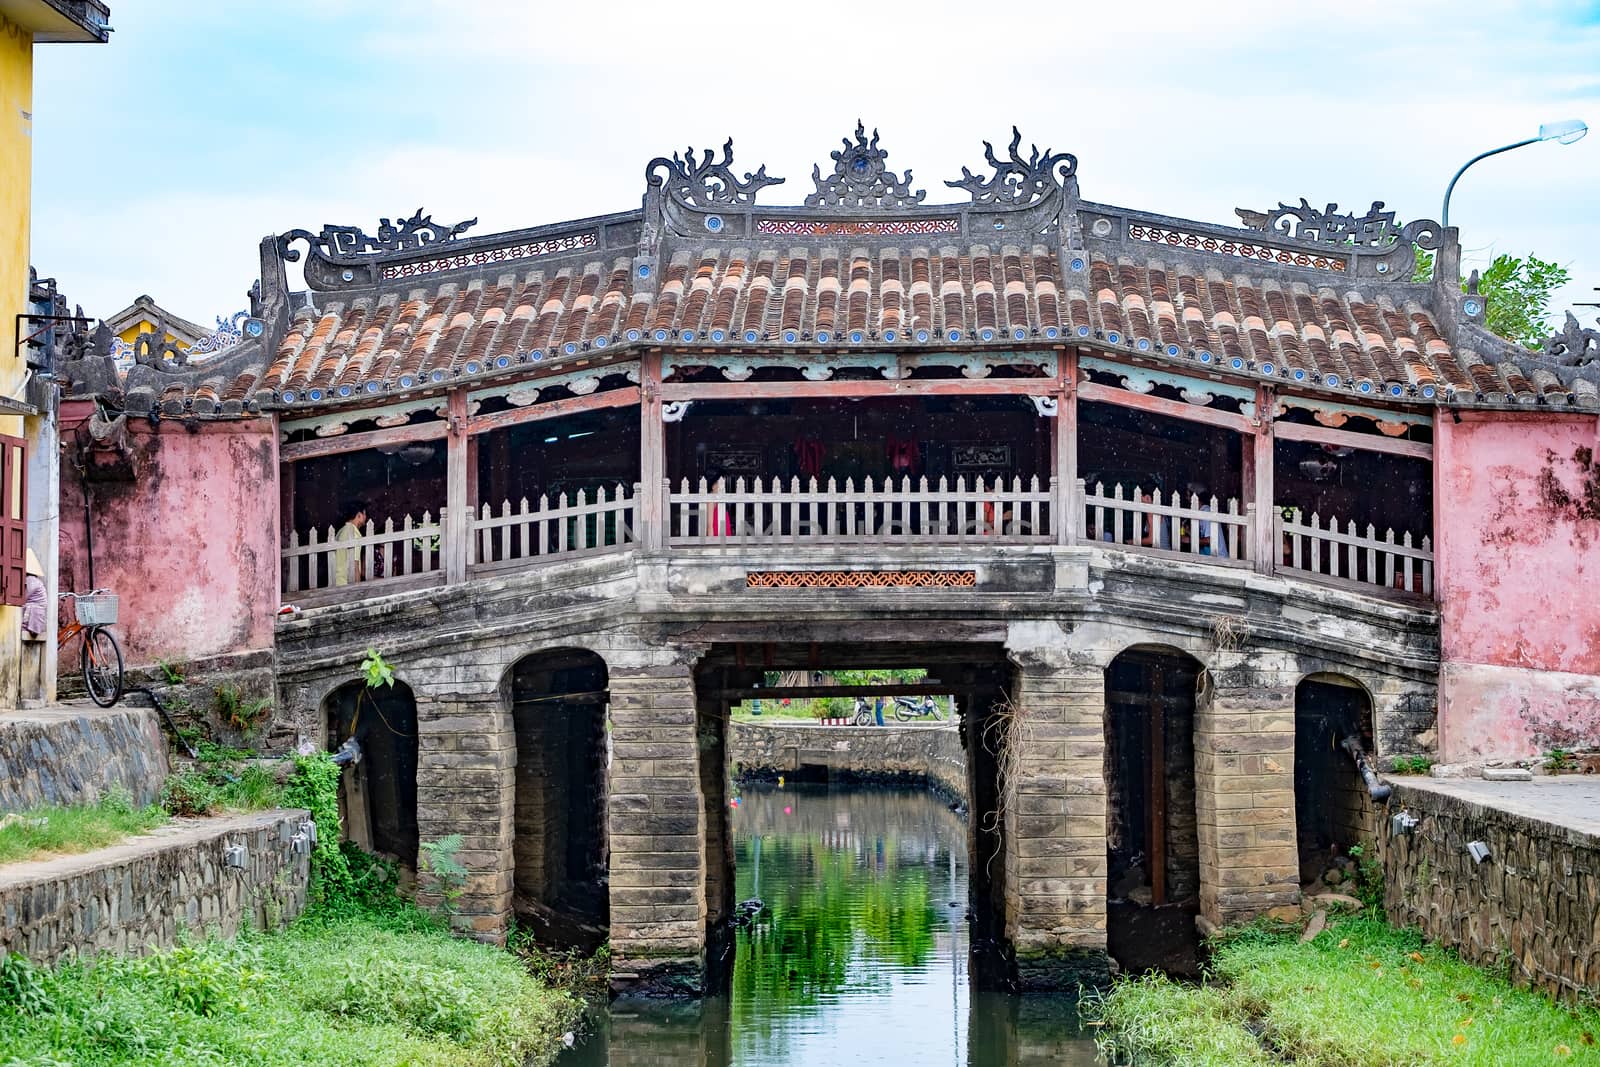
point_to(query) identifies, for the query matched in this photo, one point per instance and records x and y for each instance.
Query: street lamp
(1566, 131)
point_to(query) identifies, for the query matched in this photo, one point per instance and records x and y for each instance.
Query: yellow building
(24, 24)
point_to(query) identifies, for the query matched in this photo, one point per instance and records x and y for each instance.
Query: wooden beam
(1371, 442)
(1263, 467)
(809, 692)
(678, 392)
(554, 409)
(1066, 451)
(652, 515)
(1160, 405)
(457, 527)
(356, 442)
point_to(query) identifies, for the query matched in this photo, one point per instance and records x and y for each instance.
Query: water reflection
(860, 958)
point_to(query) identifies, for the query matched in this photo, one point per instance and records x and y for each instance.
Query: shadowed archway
(378, 793)
(558, 710)
(1333, 809)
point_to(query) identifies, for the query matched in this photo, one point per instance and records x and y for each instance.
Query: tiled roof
(1026, 263)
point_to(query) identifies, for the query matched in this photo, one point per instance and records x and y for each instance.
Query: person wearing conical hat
(34, 604)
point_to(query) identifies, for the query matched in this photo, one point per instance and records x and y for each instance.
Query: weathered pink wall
(185, 531)
(1518, 505)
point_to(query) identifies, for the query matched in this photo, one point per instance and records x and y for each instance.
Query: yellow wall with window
(16, 179)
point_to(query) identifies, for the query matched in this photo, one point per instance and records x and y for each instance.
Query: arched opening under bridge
(1333, 808)
(377, 793)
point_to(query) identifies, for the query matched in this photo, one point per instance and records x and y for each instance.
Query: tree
(1516, 291)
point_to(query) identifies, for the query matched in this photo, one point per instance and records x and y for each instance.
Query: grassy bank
(55, 830)
(1361, 994)
(364, 991)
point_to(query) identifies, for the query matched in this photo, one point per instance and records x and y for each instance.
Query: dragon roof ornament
(710, 182)
(1376, 229)
(345, 242)
(1018, 182)
(1574, 346)
(860, 178)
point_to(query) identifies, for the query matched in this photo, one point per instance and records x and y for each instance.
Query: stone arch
(1152, 822)
(378, 792)
(1334, 809)
(557, 701)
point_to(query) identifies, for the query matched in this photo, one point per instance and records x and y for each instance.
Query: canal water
(860, 957)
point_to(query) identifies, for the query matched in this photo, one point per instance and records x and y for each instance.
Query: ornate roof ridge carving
(710, 182)
(861, 179)
(339, 242)
(1376, 229)
(1018, 182)
(1574, 345)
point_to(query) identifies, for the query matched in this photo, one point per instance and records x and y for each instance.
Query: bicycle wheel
(101, 662)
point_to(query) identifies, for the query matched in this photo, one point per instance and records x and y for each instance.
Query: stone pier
(1244, 787)
(1055, 845)
(657, 828)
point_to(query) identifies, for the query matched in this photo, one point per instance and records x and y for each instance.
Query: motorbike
(864, 716)
(906, 708)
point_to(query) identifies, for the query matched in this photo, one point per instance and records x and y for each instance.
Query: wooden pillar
(652, 511)
(1266, 552)
(1444, 453)
(457, 524)
(1066, 451)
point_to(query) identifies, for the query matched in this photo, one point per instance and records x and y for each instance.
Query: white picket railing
(1133, 519)
(1312, 548)
(376, 557)
(584, 524)
(910, 512)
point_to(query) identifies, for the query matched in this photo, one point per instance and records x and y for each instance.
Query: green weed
(57, 830)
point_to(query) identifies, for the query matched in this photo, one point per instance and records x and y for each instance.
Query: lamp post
(1565, 132)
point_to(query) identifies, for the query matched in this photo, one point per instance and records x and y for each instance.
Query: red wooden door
(13, 520)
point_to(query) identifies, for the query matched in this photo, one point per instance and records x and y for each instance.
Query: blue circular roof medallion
(889, 335)
(644, 270)
(751, 336)
(1077, 263)
(954, 335)
(1204, 356)
(314, 394)
(1365, 386)
(1236, 363)
(372, 386)
(345, 390)
(1142, 345)
(570, 347)
(1269, 368)
(1396, 389)
(1173, 350)
(856, 337)
(714, 223)
(502, 361)
(986, 334)
(718, 335)
(661, 335)
(472, 366)
(436, 376)
(406, 381)
(634, 335)
(1113, 337)
(822, 337)
(288, 396)
(1471, 306)
(536, 355)
(686, 336)
(1299, 375)
(1427, 391)
(1083, 331)
(1019, 333)
(1332, 379)
(922, 335)
(1051, 331)
(791, 336)
(601, 340)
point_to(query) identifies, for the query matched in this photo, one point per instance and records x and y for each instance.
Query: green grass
(369, 991)
(56, 830)
(1360, 995)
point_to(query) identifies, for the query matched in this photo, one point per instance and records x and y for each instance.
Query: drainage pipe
(1380, 790)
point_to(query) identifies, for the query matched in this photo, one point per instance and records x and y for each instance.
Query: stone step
(72, 754)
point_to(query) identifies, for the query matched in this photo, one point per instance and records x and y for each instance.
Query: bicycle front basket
(97, 610)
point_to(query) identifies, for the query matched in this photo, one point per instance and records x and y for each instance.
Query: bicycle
(100, 660)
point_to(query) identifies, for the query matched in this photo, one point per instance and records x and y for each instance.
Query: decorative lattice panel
(861, 579)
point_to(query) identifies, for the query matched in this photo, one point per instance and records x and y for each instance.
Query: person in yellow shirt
(347, 561)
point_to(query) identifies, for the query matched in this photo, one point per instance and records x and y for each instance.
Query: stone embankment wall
(1532, 906)
(135, 897)
(72, 756)
(865, 752)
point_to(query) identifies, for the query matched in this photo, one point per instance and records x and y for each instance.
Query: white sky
(162, 158)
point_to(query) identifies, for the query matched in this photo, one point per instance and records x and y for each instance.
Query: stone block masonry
(135, 897)
(1532, 908)
(928, 753)
(657, 828)
(70, 755)
(1053, 782)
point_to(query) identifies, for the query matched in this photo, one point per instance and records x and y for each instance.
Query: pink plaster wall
(185, 531)
(1518, 505)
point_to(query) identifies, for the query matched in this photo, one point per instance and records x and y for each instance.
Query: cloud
(213, 129)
